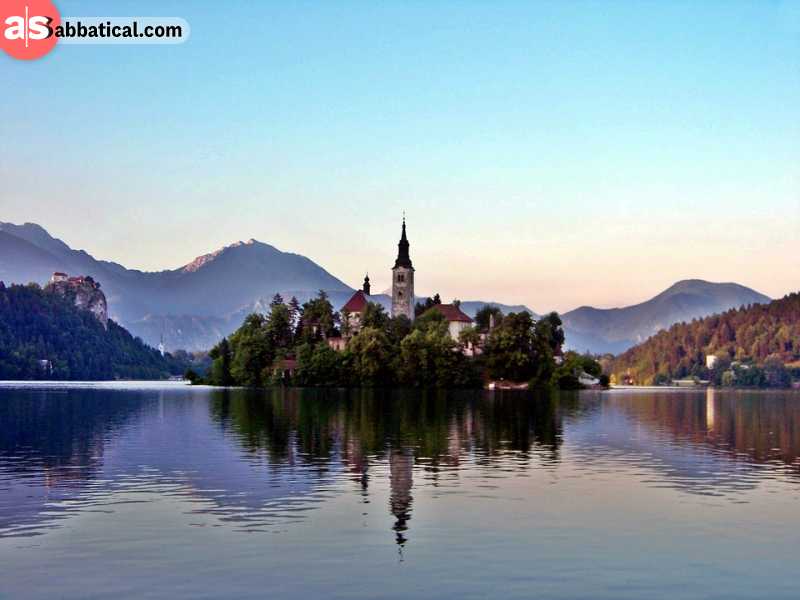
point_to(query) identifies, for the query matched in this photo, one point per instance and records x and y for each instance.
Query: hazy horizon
(549, 154)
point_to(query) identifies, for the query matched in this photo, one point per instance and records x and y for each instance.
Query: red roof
(451, 313)
(357, 303)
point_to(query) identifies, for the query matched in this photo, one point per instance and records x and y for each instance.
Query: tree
(318, 319)
(397, 328)
(422, 307)
(279, 327)
(469, 338)
(277, 300)
(221, 367)
(369, 354)
(549, 329)
(427, 356)
(510, 350)
(294, 313)
(374, 316)
(319, 365)
(251, 351)
(776, 374)
(487, 316)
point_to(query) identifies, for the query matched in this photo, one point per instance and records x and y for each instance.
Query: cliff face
(84, 292)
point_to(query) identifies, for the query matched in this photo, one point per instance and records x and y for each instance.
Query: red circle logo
(28, 27)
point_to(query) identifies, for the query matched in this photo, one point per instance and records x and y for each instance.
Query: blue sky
(552, 153)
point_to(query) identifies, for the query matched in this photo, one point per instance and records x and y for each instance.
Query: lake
(167, 491)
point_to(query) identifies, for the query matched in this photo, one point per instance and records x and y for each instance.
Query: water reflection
(328, 430)
(256, 461)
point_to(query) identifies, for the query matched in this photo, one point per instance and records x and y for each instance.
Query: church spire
(403, 258)
(366, 285)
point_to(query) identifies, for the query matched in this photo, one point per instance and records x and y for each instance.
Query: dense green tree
(38, 325)
(511, 352)
(221, 365)
(369, 355)
(427, 356)
(549, 330)
(317, 320)
(422, 307)
(251, 351)
(397, 328)
(485, 315)
(374, 315)
(320, 365)
(279, 327)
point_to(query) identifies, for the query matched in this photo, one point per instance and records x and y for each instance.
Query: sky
(555, 154)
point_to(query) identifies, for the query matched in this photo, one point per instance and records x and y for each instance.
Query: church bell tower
(403, 298)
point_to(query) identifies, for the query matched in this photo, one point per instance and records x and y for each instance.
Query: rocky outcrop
(85, 293)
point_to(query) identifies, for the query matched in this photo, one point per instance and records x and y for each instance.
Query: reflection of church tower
(403, 280)
(401, 478)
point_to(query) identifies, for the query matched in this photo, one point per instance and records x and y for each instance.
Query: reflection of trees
(60, 435)
(52, 446)
(762, 427)
(437, 428)
(327, 423)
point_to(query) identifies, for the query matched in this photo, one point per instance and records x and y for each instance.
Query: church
(403, 299)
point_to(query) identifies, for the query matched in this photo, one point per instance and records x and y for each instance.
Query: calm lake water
(165, 491)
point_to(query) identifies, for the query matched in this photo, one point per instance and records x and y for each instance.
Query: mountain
(193, 306)
(44, 335)
(763, 337)
(615, 330)
(22, 261)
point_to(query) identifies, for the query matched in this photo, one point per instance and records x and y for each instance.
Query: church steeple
(403, 280)
(403, 258)
(366, 285)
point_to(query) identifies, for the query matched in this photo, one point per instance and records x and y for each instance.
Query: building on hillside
(403, 298)
(457, 320)
(84, 291)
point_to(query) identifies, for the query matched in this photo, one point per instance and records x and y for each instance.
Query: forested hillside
(44, 336)
(752, 345)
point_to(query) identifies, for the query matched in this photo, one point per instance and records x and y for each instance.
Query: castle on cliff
(84, 291)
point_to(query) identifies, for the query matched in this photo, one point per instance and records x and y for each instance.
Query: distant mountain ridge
(757, 334)
(192, 306)
(615, 330)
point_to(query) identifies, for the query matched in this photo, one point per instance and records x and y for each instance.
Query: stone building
(403, 280)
